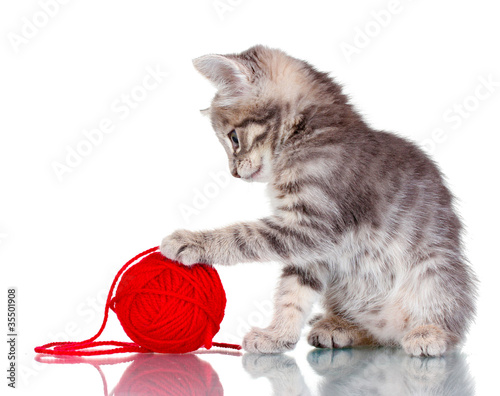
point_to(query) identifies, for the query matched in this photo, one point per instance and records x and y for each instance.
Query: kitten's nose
(234, 172)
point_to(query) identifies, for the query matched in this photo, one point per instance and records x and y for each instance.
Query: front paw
(184, 246)
(267, 341)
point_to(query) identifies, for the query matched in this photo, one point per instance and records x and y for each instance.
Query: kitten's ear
(229, 76)
(205, 112)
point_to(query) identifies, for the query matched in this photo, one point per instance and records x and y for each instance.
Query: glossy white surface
(379, 371)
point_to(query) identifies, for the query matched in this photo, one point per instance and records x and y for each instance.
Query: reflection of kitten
(365, 371)
(361, 218)
(390, 372)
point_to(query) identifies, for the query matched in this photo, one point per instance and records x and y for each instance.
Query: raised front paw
(184, 246)
(268, 341)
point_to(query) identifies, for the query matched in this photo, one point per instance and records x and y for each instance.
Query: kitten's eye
(234, 139)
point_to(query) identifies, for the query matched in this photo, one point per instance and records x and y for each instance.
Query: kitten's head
(264, 99)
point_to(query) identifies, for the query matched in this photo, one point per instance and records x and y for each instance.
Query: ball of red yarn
(168, 307)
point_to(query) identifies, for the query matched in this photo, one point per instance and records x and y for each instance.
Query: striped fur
(362, 218)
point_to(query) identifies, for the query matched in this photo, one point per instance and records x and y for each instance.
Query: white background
(63, 238)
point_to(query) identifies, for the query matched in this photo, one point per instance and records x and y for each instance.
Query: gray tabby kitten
(362, 218)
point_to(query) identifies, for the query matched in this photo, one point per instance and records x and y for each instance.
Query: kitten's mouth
(256, 173)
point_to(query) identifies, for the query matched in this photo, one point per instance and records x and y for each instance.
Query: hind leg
(333, 331)
(439, 298)
(427, 340)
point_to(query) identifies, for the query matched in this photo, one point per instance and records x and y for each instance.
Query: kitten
(362, 218)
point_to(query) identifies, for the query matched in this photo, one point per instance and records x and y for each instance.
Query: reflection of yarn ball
(157, 375)
(168, 307)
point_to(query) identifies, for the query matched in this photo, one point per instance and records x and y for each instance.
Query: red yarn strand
(81, 348)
